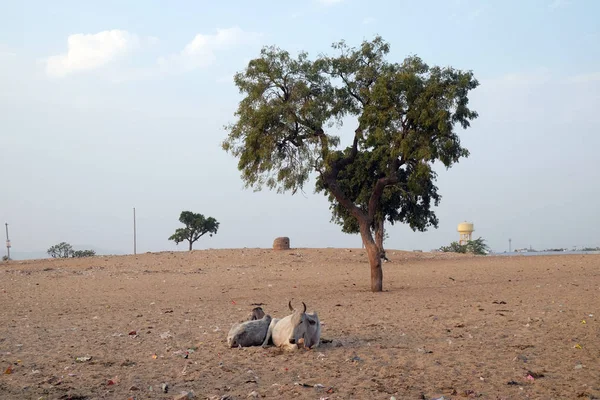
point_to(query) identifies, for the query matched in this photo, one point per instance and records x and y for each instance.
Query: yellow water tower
(465, 229)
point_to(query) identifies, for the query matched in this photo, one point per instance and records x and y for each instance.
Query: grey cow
(249, 333)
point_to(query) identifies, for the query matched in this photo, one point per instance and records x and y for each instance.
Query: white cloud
(201, 51)
(91, 51)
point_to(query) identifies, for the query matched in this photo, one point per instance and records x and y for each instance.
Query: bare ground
(446, 325)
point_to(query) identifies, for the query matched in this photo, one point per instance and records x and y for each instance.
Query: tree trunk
(374, 257)
(379, 232)
(191, 244)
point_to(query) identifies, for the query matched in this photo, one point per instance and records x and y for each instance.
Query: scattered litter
(168, 311)
(164, 387)
(133, 388)
(132, 333)
(166, 335)
(481, 378)
(513, 383)
(320, 356)
(110, 382)
(530, 378)
(117, 334)
(254, 394)
(578, 346)
(182, 353)
(498, 302)
(578, 366)
(35, 371)
(583, 322)
(154, 356)
(440, 398)
(319, 386)
(302, 384)
(355, 359)
(535, 375)
(421, 350)
(8, 370)
(83, 359)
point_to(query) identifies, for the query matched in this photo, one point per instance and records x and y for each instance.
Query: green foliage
(477, 247)
(408, 201)
(83, 253)
(405, 117)
(196, 226)
(65, 250)
(5, 258)
(61, 250)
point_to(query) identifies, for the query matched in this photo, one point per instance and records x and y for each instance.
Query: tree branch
(333, 187)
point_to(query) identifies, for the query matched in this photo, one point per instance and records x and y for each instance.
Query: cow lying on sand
(249, 333)
(298, 328)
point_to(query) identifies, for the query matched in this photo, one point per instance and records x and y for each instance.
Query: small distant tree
(83, 253)
(477, 247)
(196, 226)
(65, 250)
(5, 258)
(61, 250)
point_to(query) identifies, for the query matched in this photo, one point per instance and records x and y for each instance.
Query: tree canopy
(407, 202)
(196, 226)
(405, 117)
(61, 250)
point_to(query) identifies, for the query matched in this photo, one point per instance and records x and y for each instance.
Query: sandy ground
(447, 325)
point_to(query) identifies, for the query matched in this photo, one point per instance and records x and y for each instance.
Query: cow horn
(304, 307)
(290, 305)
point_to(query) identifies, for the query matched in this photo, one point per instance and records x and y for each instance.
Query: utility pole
(7, 242)
(509, 245)
(134, 234)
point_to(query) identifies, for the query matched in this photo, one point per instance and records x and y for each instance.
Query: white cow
(298, 328)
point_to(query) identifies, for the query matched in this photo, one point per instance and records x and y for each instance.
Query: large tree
(196, 226)
(405, 117)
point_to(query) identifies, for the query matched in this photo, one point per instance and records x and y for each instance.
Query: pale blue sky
(109, 105)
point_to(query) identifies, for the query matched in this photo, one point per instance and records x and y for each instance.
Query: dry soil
(446, 325)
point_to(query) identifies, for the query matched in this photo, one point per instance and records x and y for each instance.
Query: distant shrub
(477, 247)
(83, 253)
(5, 258)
